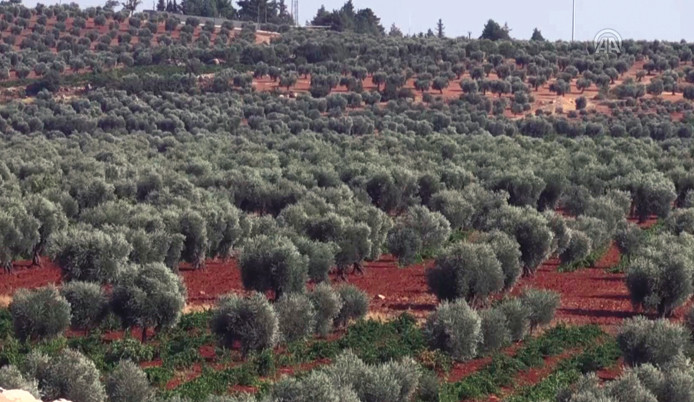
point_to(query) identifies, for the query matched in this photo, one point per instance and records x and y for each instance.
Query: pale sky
(633, 19)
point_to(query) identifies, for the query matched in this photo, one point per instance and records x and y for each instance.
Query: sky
(632, 19)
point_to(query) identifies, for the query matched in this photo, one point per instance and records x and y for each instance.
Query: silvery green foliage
(579, 247)
(379, 224)
(19, 231)
(628, 388)
(194, 229)
(607, 210)
(249, 320)
(466, 270)
(681, 220)
(273, 263)
(392, 381)
(39, 313)
(454, 206)
(12, 378)
(454, 328)
(88, 303)
(317, 386)
(669, 382)
(659, 275)
(657, 342)
(586, 389)
(560, 230)
(321, 257)
(223, 228)
(328, 304)
(650, 377)
(523, 187)
(355, 304)
(531, 230)
(596, 229)
(127, 382)
(296, 315)
(542, 304)
(432, 227)
(689, 199)
(148, 296)
(517, 318)
(354, 244)
(508, 253)
(51, 219)
(628, 238)
(653, 193)
(494, 332)
(72, 376)
(89, 254)
(405, 244)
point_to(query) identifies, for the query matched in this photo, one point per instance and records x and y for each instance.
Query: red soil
(589, 295)
(402, 289)
(292, 370)
(207, 284)
(26, 276)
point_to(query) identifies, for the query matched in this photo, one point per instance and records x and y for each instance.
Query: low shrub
(454, 328)
(39, 314)
(128, 383)
(296, 315)
(88, 303)
(355, 304)
(495, 333)
(517, 318)
(657, 342)
(249, 320)
(328, 305)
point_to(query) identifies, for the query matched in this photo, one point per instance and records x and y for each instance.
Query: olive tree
(628, 238)
(468, 271)
(19, 232)
(89, 254)
(273, 263)
(51, 219)
(454, 206)
(494, 331)
(532, 232)
(656, 342)
(653, 194)
(328, 305)
(659, 277)
(296, 316)
(249, 320)
(507, 252)
(127, 382)
(580, 246)
(194, 228)
(454, 328)
(69, 375)
(12, 378)
(88, 303)
(542, 304)
(39, 314)
(405, 244)
(148, 296)
(432, 227)
(355, 304)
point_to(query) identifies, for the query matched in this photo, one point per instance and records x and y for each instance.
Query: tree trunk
(36, 260)
(144, 334)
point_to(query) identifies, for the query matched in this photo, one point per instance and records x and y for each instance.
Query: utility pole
(573, 22)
